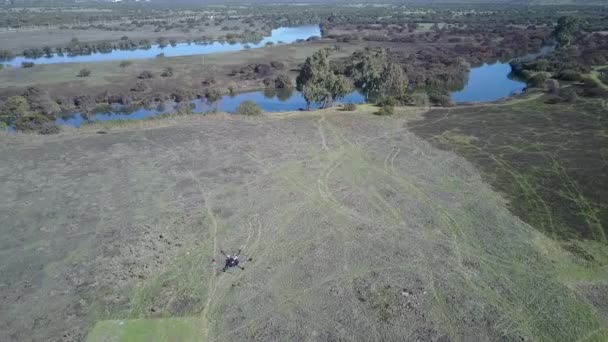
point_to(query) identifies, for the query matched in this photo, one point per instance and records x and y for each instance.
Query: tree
(565, 30)
(376, 76)
(318, 83)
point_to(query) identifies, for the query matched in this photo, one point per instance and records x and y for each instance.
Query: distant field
(188, 71)
(357, 229)
(17, 41)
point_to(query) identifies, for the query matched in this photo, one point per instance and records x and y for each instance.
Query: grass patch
(165, 329)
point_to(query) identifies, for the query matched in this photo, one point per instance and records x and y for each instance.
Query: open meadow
(357, 229)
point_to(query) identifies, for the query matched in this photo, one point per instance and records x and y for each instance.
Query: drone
(233, 260)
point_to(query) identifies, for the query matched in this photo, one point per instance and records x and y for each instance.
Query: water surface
(489, 82)
(269, 100)
(284, 35)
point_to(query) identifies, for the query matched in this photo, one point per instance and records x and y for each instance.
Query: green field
(358, 229)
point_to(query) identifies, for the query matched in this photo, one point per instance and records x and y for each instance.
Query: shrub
(386, 110)
(140, 86)
(263, 69)
(84, 73)
(5, 55)
(144, 75)
(417, 99)
(125, 64)
(349, 107)
(277, 65)
(552, 86)
(184, 108)
(212, 95)
(538, 81)
(568, 75)
(36, 123)
(168, 72)
(27, 64)
(282, 81)
(440, 99)
(248, 107)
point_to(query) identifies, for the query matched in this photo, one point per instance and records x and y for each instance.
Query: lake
(283, 35)
(489, 82)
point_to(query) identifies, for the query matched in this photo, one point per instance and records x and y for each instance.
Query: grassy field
(357, 229)
(549, 159)
(18, 41)
(62, 79)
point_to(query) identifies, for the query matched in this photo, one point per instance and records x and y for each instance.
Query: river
(281, 35)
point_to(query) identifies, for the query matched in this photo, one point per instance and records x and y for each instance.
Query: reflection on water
(284, 35)
(489, 82)
(269, 100)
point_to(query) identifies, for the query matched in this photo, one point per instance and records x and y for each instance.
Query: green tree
(376, 76)
(318, 83)
(565, 30)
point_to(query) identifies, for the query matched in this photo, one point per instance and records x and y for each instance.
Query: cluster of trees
(319, 83)
(381, 80)
(32, 112)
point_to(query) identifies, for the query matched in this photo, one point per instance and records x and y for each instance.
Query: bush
(439, 99)
(84, 73)
(36, 123)
(144, 75)
(27, 64)
(168, 72)
(5, 55)
(248, 107)
(140, 86)
(277, 65)
(552, 86)
(349, 107)
(125, 64)
(417, 99)
(212, 95)
(282, 81)
(538, 81)
(386, 110)
(568, 75)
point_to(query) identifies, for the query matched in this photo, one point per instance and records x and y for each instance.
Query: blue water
(284, 35)
(489, 82)
(268, 102)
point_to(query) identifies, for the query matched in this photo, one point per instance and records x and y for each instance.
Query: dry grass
(358, 230)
